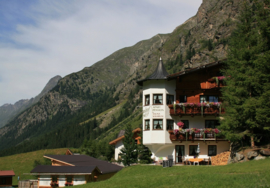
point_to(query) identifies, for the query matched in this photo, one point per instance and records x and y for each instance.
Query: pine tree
(246, 96)
(129, 153)
(144, 154)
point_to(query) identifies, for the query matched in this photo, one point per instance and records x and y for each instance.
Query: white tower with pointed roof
(158, 92)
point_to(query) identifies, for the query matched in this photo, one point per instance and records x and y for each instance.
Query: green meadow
(24, 162)
(246, 174)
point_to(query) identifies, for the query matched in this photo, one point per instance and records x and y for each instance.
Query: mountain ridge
(7, 111)
(201, 39)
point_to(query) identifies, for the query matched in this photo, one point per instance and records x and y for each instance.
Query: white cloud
(65, 36)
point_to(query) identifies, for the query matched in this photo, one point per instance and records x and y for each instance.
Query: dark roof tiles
(64, 169)
(159, 74)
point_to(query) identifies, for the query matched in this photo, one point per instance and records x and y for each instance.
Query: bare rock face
(252, 154)
(9, 111)
(265, 152)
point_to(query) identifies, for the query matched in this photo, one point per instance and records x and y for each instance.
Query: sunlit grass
(247, 174)
(23, 163)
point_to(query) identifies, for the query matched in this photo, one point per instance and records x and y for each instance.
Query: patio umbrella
(198, 149)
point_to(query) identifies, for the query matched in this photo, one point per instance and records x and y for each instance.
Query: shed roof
(7, 173)
(84, 160)
(159, 74)
(64, 169)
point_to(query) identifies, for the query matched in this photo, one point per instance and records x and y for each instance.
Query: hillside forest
(87, 109)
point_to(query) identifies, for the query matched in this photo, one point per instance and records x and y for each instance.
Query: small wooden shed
(6, 178)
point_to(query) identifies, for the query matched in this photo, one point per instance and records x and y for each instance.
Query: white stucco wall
(159, 150)
(61, 181)
(45, 180)
(78, 180)
(118, 146)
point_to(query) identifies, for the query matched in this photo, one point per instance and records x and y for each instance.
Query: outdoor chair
(207, 161)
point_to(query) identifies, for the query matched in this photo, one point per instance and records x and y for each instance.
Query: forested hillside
(73, 112)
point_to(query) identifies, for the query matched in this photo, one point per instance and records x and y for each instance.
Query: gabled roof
(172, 76)
(159, 74)
(7, 173)
(84, 160)
(138, 130)
(64, 169)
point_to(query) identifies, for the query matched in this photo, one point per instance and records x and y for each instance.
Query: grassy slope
(23, 162)
(247, 174)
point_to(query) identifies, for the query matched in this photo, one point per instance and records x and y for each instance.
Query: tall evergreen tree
(129, 153)
(144, 154)
(247, 70)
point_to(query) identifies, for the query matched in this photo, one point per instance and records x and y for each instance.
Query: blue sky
(42, 39)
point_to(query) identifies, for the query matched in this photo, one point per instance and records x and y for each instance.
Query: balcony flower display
(68, 184)
(207, 130)
(54, 184)
(196, 130)
(189, 104)
(176, 131)
(216, 131)
(180, 124)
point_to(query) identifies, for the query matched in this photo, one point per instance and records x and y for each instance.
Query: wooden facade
(6, 178)
(198, 83)
(5, 181)
(192, 87)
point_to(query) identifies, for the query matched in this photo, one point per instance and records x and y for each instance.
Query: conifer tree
(247, 69)
(129, 152)
(144, 154)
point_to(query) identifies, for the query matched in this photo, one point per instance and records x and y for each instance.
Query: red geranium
(180, 124)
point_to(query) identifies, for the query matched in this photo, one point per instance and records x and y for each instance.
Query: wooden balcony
(211, 83)
(188, 110)
(194, 137)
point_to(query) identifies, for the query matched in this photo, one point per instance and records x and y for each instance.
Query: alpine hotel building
(192, 97)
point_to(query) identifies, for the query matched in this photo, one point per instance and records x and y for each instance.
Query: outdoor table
(195, 160)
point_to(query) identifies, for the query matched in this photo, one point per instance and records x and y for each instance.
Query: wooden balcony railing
(188, 110)
(212, 83)
(194, 136)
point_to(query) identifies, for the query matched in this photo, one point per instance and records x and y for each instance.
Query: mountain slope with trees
(81, 96)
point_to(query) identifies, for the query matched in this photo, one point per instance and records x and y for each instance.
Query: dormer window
(157, 99)
(170, 99)
(147, 100)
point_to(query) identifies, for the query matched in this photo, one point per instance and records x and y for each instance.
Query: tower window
(147, 100)
(158, 99)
